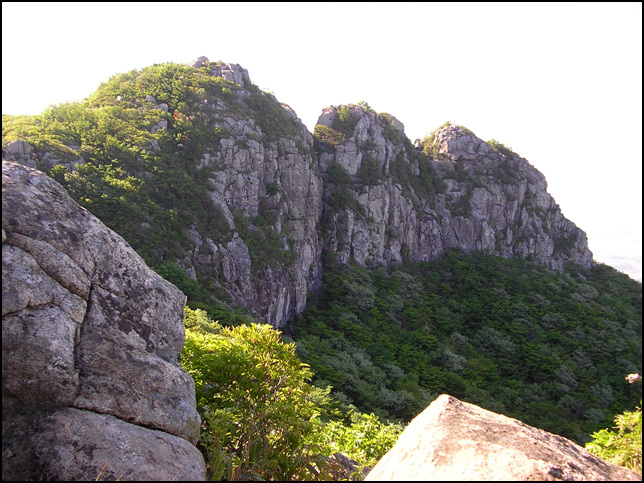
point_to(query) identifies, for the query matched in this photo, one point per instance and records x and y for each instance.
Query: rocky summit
(404, 204)
(278, 204)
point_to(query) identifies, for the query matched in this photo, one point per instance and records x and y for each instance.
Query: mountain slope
(436, 266)
(549, 348)
(205, 174)
(197, 167)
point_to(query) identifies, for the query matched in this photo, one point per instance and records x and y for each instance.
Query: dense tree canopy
(548, 348)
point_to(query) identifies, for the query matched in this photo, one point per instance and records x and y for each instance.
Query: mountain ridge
(351, 240)
(196, 166)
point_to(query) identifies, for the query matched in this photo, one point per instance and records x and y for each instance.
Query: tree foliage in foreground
(261, 419)
(623, 447)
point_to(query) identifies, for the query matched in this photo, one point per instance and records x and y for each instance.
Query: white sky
(559, 83)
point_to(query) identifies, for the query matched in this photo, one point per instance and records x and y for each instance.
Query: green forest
(549, 348)
(261, 416)
(375, 348)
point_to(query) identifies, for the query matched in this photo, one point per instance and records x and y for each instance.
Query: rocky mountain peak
(457, 191)
(356, 189)
(231, 72)
(456, 142)
(360, 117)
(349, 134)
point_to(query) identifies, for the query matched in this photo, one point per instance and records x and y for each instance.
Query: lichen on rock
(91, 342)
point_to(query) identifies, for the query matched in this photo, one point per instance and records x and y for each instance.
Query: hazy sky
(561, 84)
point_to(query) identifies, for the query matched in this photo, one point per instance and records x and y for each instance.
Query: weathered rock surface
(231, 72)
(91, 341)
(264, 174)
(455, 441)
(285, 198)
(19, 150)
(406, 205)
(74, 444)
(396, 203)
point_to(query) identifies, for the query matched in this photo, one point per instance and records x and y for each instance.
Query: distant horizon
(558, 83)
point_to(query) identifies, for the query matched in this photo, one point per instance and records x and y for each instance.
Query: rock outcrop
(91, 341)
(261, 174)
(394, 202)
(456, 441)
(283, 202)
(20, 151)
(231, 72)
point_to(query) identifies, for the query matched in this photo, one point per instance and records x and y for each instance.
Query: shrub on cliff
(346, 121)
(366, 440)
(327, 138)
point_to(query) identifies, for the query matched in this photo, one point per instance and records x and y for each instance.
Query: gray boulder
(19, 147)
(74, 444)
(200, 62)
(455, 441)
(91, 342)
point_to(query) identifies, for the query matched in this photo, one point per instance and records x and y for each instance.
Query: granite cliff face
(356, 189)
(364, 194)
(91, 341)
(402, 202)
(259, 175)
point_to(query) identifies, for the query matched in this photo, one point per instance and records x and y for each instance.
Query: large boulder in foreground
(455, 441)
(91, 342)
